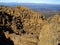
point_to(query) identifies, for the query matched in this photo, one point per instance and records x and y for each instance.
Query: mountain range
(47, 9)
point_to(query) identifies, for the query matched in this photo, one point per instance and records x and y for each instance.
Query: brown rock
(24, 22)
(50, 33)
(56, 20)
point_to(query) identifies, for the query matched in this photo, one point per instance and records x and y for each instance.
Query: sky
(33, 1)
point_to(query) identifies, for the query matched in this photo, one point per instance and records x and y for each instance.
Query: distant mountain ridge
(47, 9)
(36, 6)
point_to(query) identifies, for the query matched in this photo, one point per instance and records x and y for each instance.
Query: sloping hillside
(50, 32)
(21, 25)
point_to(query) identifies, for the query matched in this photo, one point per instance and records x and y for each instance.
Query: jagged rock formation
(5, 22)
(21, 25)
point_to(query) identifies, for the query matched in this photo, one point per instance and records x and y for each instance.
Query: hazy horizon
(33, 1)
(26, 3)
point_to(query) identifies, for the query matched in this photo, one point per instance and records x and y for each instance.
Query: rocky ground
(20, 25)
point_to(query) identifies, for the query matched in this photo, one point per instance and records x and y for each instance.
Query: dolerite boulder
(21, 24)
(50, 33)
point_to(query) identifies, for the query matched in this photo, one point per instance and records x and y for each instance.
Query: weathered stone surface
(56, 20)
(25, 18)
(50, 33)
(24, 24)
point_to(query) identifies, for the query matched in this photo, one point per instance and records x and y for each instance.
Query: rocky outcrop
(50, 33)
(21, 24)
(56, 21)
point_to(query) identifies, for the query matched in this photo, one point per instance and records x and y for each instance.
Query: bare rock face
(56, 20)
(21, 25)
(50, 33)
